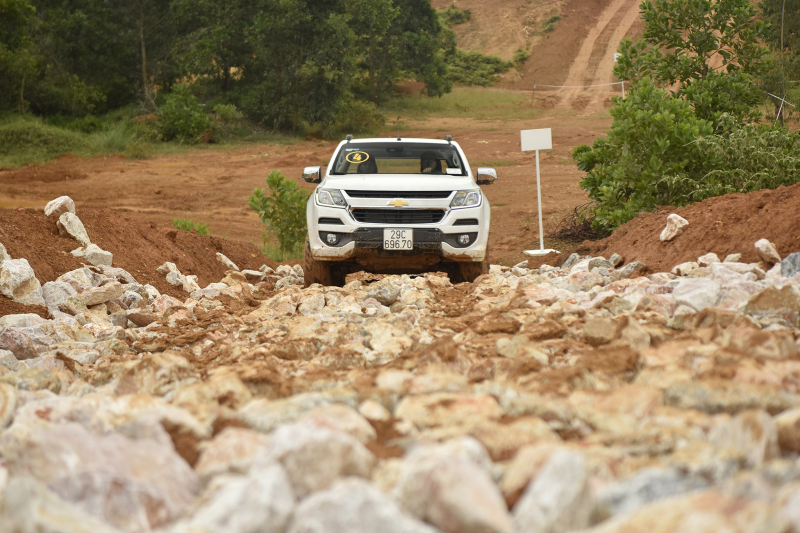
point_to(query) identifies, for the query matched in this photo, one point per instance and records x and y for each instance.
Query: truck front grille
(431, 195)
(398, 216)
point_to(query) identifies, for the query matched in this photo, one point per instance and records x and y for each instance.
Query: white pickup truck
(397, 206)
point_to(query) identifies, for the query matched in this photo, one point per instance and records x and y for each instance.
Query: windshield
(398, 158)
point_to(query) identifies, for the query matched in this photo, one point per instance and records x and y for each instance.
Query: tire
(470, 271)
(315, 271)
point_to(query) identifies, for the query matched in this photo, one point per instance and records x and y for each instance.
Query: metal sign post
(537, 140)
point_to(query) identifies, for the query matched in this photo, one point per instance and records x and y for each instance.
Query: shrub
(550, 25)
(227, 122)
(750, 158)
(520, 56)
(283, 210)
(475, 68)
(182, 118)
(452, 16)
(647, 157)
(358, 117)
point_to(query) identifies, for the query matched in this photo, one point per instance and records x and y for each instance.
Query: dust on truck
(397, 206)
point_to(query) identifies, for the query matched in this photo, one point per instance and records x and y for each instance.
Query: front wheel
(315, 271)
(470, 271)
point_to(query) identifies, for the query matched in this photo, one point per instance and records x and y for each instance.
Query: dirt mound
(138, 246)
(723, 225)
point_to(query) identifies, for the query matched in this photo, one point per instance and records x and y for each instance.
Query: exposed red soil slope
(723, 225)
(138, 246)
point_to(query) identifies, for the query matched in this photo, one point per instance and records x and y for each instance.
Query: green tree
(17, 57)
(282, 209)
(783, 38)
(681, 41)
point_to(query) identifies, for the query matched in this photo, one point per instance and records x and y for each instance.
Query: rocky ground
(595, 395)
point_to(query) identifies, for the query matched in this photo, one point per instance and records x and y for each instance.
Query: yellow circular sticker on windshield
(357, 157)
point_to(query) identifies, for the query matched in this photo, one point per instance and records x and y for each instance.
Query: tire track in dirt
(615, 21)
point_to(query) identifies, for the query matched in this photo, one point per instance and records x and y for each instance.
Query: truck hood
(399, 182)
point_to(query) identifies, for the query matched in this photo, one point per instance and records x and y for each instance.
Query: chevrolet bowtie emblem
(398, 203)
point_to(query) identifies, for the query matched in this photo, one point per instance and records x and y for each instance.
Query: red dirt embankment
(138, 246)
(723, 225)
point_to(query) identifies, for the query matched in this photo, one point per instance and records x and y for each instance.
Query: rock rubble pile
(585, 397)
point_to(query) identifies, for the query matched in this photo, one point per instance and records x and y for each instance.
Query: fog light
(463, 240)
(332, 238)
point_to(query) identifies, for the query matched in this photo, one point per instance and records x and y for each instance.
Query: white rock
(70, 225)
(230, 265)
(266, 415)
(372, 410)
(298, 271)
(8, 403)
(18, 282)
(56, 293)
(117, 480)
(451, 492)
(94, 255)
(751, 435)
(675, 226)
(343, 418)
(262, 501)
(30, 508)
(232, 451)
(21, 321)
(301, 447)
(559, 499)
(697, 293)
(3, 253)
(707, 259)
(684, 269)
(767, 252)
(59, 206)
(732, 258)
(353, 506)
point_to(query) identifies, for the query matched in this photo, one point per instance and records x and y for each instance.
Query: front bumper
(362, 242)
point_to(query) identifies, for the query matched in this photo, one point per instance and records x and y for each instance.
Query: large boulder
(352, 505)
(559, 499)
(134, 485)
(301, 447)
(69, 225)
(452, 492)
(94, 255)
(59, 206)
(18, 282)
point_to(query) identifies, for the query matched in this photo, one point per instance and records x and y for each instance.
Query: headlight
(466, 199)
(330, 197)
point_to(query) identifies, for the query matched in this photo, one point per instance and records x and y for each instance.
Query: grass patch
(24, 141)
(499, 204)
(275, 253)
(185, 224)
(464, 102)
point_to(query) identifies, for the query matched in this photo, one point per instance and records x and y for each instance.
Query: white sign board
(536, 139)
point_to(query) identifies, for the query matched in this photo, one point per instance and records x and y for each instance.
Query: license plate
(398, 239)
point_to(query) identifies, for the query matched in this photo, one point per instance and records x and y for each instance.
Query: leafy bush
(475, 68)
(182, 118)
(185, 224)
(283, 210)
(227, 122)
(520, 56)
(750, 158)
(359, 117)
(452, 16)
(646, 158)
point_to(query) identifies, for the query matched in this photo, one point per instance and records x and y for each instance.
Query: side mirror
(312, 174)
(486, 176)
